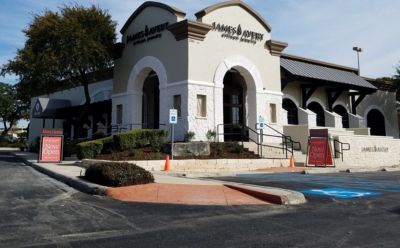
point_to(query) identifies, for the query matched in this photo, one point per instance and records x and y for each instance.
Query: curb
(272, 195)
(76, 183)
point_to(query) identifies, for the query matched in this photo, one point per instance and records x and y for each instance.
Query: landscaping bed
(218, 151)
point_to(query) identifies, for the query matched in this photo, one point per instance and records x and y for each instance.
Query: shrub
(189, 136)
(89, 149)
(211, 135)
(71, 147)
(140, 138)
(118, 174)
(237, 148)
(219, 148)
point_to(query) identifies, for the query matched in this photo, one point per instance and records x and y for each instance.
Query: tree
(396, 80)
(11, 108)
(62, 48)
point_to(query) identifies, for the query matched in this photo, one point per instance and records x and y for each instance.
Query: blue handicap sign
(340, 192)
(173, 118)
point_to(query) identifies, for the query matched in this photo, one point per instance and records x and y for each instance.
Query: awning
(330, 76)
(46, 108)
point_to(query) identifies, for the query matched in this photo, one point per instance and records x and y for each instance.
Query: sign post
(261, 127)
(51, 146)
(173, 119)
(319, 150)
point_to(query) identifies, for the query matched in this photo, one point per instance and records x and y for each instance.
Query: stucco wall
(385, 102)
(171, 53)
(205, 56)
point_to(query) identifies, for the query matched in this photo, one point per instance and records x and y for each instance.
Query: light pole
(358, 50)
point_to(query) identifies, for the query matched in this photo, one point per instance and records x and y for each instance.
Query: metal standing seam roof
(319, 72)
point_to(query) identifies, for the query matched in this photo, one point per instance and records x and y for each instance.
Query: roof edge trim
(240, 3)
(175, 11)
(319, 62)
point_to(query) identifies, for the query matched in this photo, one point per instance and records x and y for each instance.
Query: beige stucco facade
(191, 67)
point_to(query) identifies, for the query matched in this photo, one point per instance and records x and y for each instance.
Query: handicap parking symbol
(340, 193)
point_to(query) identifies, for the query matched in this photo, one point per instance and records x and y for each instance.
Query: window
(201, 106)
(119, 114)
(272, 113)
(177, 104)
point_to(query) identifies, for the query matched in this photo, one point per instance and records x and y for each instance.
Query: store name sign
(147, 34)
(237, 33)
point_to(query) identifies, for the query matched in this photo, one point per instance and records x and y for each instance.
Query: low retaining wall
(208, 165)
(369, 151)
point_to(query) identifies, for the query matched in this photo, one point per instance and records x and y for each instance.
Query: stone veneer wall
(369, 151)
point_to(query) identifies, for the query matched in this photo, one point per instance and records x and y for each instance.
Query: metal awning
(330, 76)
(47, 108)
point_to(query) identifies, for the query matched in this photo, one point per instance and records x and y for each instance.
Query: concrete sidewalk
(168, 187)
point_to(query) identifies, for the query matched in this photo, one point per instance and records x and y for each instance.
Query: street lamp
(358, 50)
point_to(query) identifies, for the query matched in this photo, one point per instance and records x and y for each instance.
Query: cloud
(325, 30)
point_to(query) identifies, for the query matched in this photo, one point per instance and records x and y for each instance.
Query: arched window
(292, 113)
(319, 111)
(376, 122)
(340, 110)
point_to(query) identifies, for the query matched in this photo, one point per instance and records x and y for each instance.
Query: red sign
(319, 152)
(52, 131)
(51, 149)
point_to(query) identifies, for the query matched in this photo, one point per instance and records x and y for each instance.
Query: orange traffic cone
(291, 164)
(166, 166)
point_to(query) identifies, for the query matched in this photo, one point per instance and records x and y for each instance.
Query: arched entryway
(342, 111)
(292, 111)
(151, 102)
(319, 111)
(376, 122)
(234, 94)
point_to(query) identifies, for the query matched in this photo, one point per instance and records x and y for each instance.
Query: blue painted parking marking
(321, 181)
(342, 193)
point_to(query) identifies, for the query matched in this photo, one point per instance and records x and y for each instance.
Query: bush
(140, 138)
(189, 136)
(89, 149)
(118, 174)
(211, 135)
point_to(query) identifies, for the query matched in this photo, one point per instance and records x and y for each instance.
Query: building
(222, 72)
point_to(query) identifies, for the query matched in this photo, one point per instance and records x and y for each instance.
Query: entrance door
(151, 102)
(234, 93)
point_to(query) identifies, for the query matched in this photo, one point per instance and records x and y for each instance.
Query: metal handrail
(340, 152)
(285, 139)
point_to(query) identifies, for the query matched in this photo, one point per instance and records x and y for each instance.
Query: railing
(118, 128)
(245, 135)
(341, 148)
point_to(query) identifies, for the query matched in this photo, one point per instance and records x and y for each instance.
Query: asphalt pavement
(37, 211)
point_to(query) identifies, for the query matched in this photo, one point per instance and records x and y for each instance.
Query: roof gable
(239, 3)
(172, 10)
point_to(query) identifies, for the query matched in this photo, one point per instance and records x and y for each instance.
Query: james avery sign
(237, 33)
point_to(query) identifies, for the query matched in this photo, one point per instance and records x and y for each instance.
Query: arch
(292, 111)
(174, 11)
(317, 100)
(342, 111)
(319, 111)
(292, 98)
(245, 67)
(376, 122)
(239, 3)
(142, 69)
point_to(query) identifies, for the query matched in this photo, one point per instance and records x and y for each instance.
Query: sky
(319, 29)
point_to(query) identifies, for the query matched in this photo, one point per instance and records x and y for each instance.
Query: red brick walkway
(183, 194)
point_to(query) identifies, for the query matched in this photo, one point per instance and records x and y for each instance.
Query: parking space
(338, 185)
